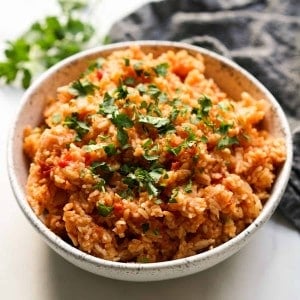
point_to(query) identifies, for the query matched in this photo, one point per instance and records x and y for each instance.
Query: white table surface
(267, 268)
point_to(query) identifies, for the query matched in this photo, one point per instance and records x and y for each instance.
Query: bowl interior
(230, 77)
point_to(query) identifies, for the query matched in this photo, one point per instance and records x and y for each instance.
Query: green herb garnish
(122, 121)
(188, 187)
(224, 127)
(45, 43)
(80, 127)
(110, 149)
(226, 142)
(83, 88)
(161, 69)
(121, 92)
(100, 185)
(157, 122)
(126, 61)
(107, 106)
(104, 210)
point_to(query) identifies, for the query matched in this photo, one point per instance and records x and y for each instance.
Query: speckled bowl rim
(235, 242)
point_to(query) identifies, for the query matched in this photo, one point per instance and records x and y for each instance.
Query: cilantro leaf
(80, 127)
(121, 92)
(122, 136)
(83, 88)
(161, 69)
(224, 127)
(104, 210)
(157, 122)
(54, 38)
(226, 142)
(110, 149)
(122, 121)
(107, 106)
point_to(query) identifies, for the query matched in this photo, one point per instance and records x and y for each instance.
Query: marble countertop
(267, 268)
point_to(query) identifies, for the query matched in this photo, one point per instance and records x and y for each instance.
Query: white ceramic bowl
(229, 76)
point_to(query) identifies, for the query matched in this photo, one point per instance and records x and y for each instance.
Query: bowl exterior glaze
(228, 75)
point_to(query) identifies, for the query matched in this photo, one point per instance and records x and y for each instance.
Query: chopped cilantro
(80, 127)
(83, 88)
(203, 111)
(100, 185)
(110, 149)
(96, 166)
(206, 105)
(121, 92)
(227, 141)
(188, 187)
(157, 122)
(122, 136)
(174, 114)
(144, 179)
(126, 61)
(156, 94)
(107, 106)
(104, 210)
(161, 69)
(122, 121)
(224, 127)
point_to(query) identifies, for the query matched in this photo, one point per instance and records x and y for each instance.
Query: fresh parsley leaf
(188, 187)
(107, 106)
(122, 121)
(157, 122)
(100, 185)
(226, 142)
(126, 61)
(104, 210)
(156, 94)
(203, 111)
(122, 136)
(206, 105)
(83, 88)
(80, 127)
(161, 69)
(174, 114)
(97, 167)
(110, 149)
(121, 92)
(224, 127)
(54, 38)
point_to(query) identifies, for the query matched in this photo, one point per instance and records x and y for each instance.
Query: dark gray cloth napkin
(261, 36)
